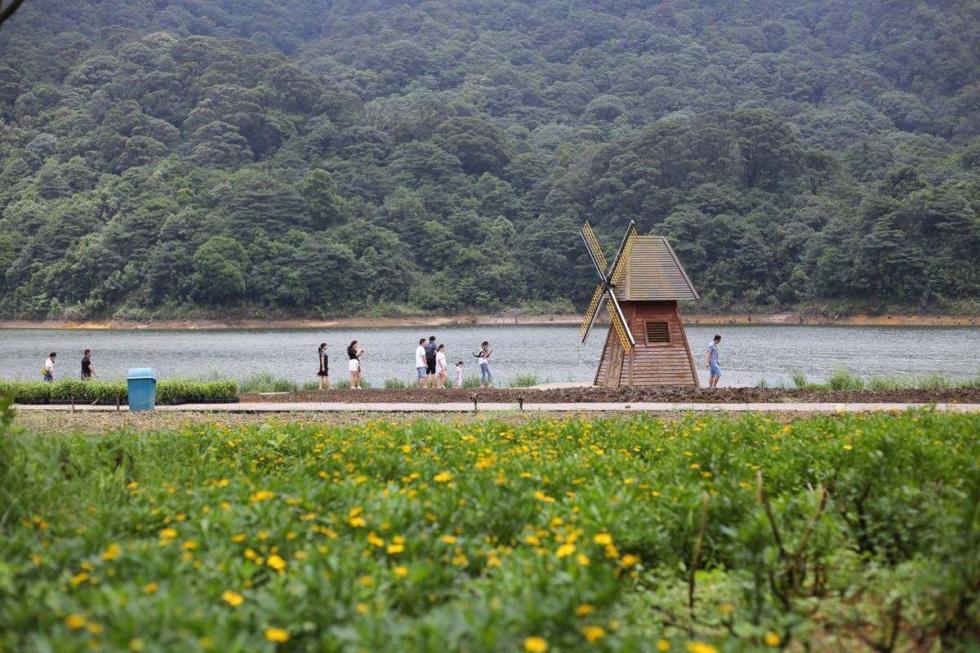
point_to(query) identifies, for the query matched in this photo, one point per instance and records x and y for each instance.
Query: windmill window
(657, 332)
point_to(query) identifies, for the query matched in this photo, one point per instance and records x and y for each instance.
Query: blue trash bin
(142, 385)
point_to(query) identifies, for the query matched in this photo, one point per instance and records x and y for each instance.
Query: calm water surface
(551, 353)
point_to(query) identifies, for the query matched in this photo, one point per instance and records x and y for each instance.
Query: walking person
(430, 361)
(353, 366)
(441, 371)
(88, 370)
(324, 373)
(711, 361)
(459, 374)
(420, 366)
(486, 378)
(47, 372)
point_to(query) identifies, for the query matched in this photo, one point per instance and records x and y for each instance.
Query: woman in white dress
(441, 371)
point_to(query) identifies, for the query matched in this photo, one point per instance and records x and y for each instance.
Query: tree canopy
(328, 158)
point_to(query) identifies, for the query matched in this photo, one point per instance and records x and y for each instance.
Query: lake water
(552, 353)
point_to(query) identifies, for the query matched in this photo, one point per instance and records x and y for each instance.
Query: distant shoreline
(736, 319)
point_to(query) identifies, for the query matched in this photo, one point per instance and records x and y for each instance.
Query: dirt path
(623, 395)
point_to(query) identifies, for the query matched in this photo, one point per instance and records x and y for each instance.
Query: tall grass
(395, 384)
(523, 381)
(266, 382)
(844, 380)
(799, 379)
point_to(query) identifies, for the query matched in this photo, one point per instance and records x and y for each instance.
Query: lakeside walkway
(468, 407)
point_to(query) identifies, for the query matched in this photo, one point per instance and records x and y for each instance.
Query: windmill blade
(620, 264)
(592, 311)
(619, 323)
(595, 252)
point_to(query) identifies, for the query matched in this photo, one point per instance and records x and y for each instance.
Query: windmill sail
(609, 275)
(592, 311)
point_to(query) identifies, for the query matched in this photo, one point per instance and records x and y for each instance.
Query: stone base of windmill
(661, 357)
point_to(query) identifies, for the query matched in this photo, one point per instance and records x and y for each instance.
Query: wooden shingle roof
(653, 273)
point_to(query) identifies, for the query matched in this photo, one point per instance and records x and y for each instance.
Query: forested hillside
(317, 158)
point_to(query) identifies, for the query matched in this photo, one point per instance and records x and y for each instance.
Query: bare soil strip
(622, 395)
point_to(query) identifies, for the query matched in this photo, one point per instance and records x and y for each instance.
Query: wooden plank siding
(651, 364)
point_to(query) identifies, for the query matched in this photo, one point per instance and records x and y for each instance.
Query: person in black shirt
(324, 372)
(430, 361)
(88, 370)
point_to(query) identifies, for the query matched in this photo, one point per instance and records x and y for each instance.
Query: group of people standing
(431, 366)
(355, 354)
(88, 370)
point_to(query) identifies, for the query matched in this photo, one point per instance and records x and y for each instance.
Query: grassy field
(693, 535)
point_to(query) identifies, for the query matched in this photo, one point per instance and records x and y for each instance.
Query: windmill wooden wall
(652, 362)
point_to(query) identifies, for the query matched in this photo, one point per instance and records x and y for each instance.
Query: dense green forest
(302, 157)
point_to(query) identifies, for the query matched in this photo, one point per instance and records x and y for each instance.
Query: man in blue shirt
(711, 360)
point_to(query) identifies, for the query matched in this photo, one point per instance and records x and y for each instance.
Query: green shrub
(845, 380)
(310, 385)
(395, 384)
(471, 382)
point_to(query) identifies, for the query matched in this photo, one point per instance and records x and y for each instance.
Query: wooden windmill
(646, 344)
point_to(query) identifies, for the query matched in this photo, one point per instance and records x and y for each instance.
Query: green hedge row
(169, 392)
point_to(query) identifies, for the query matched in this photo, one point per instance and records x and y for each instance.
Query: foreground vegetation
(290, 157)
(707, 534)
(168, 392)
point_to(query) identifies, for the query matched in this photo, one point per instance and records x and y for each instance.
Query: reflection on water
(552, 353)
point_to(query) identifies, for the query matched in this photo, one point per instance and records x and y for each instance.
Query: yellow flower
(151, 588)
(629, 560)
(847, 447)
(361, 608)
(593, 633)
(168, 533)
(262, 495)
(448, 539)
(771, 639)
(111, 552)
(276, 562)
(189, 545)
(233, 599)
(603, 538)
(357, 521)
(584, 610)
(374, 540)
(443, 477)
(75, 621)
(78, 579)
(401, 572)
(565, 550)
(663, 646)
(277, 635)
(132, 485)
(240, 537)
(136, 645)
(535, 645)
(700, 647)
(726, 608)
(583, 559)
(395, 548)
